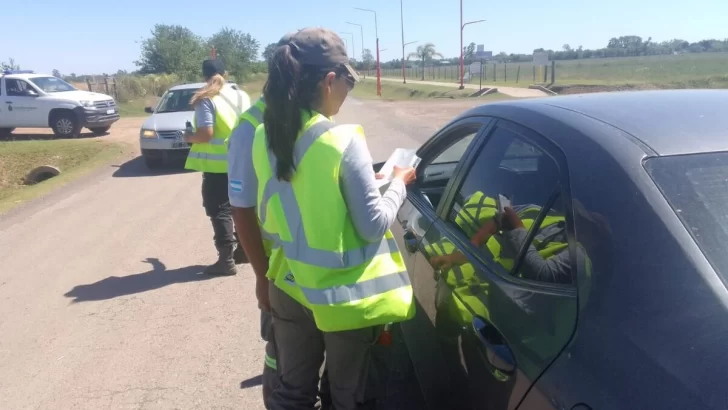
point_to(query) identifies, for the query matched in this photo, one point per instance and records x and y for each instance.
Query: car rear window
(696, 186)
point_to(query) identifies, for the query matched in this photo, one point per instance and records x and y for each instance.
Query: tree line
(177, 50)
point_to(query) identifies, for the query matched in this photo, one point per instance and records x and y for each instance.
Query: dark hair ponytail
(290, 88)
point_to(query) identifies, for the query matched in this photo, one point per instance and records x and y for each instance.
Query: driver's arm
(205, 122)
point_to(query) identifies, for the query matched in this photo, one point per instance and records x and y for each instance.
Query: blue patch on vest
(236, 186)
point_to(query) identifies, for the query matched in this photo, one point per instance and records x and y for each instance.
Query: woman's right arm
(371, 212)
(204, 121)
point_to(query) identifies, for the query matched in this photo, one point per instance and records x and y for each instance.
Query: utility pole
(361, 29)
(376, 33)
(462, 57)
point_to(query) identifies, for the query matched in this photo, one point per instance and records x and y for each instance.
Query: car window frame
(484, 266)
(436, 146)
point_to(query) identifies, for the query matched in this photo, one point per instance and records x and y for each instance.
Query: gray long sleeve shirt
(556, 269)
(371, 212)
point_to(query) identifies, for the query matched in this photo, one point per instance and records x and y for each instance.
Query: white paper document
(400, 157)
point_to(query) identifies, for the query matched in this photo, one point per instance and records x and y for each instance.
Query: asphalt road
(103, 304)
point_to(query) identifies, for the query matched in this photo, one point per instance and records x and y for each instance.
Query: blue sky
(85, 36)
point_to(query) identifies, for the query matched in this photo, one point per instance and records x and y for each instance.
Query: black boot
(239, 255)
(225, 264)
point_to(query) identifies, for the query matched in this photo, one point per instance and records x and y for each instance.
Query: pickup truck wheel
(65, 125)
(99, 131)
(4, 132)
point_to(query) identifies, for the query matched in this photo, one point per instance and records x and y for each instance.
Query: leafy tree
(425, 52)
(172, 49)
(10, 65)
(236, 49)
(57, 73)
(469, 53)
(268, 51)
(367, 59)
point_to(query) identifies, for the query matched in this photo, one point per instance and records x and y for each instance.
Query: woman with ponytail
(337, 275)
(217, 109)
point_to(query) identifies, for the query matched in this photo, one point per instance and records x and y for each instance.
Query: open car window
(435, 172)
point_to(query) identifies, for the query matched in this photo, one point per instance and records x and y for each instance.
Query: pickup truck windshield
(696, 186)
(52, 84)
(176, 101)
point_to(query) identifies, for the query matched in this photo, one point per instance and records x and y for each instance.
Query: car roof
(669, 122)
(192, 86)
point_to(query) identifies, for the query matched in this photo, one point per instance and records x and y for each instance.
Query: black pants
(217, 206)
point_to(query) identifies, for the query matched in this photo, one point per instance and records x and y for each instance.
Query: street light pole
(404, 68)
(376, 33)
(401, 20)
(361, 28)
(353, 47)
(462, 61)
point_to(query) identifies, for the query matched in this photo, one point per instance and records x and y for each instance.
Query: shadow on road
(136, 168)
(252, 382)
(19, 136)
(115, 286)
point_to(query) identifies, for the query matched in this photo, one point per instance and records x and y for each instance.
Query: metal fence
(488, 73)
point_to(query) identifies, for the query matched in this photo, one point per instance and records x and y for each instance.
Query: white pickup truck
(30, 100)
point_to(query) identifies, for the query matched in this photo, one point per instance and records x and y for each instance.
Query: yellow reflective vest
(318, 257)
(251, 119)
(212, 156)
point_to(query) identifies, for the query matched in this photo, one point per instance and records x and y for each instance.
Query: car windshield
(52, 84)
(176, 100)
(696, 186)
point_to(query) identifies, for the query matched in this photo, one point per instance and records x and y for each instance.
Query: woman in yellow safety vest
(217, 109)
(337, 274)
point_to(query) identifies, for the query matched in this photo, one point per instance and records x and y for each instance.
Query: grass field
(698, 70)
(72, 157)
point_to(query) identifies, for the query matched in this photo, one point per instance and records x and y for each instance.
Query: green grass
(73, 157)
(134, 108)
(695, 70)
(412, 91)
(254, 85)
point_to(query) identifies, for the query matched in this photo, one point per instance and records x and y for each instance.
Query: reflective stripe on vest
(212, 156)
(299, 250)
(358, 285)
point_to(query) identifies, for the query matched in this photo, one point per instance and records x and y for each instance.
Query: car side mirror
(148, 110)
(30, 93)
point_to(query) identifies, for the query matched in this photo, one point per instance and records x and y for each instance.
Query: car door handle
(8, 102)
(497, 352)
(410, 241)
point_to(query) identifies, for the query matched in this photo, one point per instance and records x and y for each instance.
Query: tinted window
(530, 241)
(16, 88)
(696, 186)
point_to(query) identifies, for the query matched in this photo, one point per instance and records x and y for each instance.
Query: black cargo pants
(217, 206)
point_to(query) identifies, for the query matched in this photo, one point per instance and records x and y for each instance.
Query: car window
(52, 84)
(531, 241)
(16, 88)
(176, 100)
(696, 187)
(435, 173)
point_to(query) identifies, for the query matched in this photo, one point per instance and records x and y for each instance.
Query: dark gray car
(613, 293)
